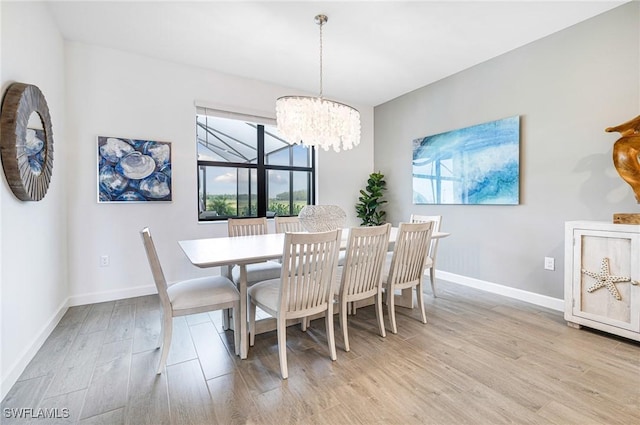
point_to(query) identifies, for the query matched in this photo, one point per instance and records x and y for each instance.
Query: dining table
(243, 250)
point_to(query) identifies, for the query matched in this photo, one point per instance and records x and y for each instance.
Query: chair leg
(392, 309)
(432, 277)
(379, 315)
(225, 319)
(161, 335)
(331, 340)
(236, 328)
(252, 323)
(167, 330)
(282, 346)
(343, 324)
(420, 296)
(304, 323)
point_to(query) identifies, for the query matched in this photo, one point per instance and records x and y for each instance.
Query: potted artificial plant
(370, 201)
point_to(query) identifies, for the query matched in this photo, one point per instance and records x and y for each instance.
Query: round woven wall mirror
(26, 141)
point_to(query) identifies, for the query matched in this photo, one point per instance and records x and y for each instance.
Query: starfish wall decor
(605, 278)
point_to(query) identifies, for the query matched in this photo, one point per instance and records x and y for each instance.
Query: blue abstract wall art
(131, 170)
(473, 165)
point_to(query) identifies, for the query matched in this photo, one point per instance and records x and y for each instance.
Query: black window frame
(262, 172)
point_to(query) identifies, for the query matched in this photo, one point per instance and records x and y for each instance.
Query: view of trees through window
(247, 170)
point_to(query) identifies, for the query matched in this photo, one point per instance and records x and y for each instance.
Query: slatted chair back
(433, 247)
(288, 224)
(364, 261)
(410, 253)
(437, 220)
(247, 226)
(308, 272)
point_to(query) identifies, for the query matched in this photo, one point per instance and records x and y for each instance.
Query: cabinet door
(591, 250)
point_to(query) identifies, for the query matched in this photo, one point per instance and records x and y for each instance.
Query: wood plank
(72, 378)
(52, 353)
(98, 317)
(148, 400)
(77, 368)
(122, 323)
(113, 417)
(147, 329)
(232, 401)
(75, 315)
(214, 358)
(189, 396)
(182, 348)
(196, 319)
(66, 407)
(23, 394)
(115, 350)
(108, 388)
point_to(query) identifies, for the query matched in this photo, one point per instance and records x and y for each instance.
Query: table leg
(244, 340)
(226, 313)
(406, 299)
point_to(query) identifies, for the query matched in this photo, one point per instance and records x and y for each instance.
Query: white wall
(112, 93)
(567, 88)
(33, 263)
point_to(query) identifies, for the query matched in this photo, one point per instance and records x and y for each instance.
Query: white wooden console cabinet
(602, 277)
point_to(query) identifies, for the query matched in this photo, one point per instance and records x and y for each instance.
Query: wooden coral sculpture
(626, 153)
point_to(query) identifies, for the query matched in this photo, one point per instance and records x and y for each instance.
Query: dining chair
(361, 275)
(406, 270)
(322, 218)
(305, 288)
(433, 247)
(259, 271)
(256, 272)
(288, 224)
(190, 296)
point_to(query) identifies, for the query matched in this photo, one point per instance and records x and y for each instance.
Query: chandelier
(316, 121)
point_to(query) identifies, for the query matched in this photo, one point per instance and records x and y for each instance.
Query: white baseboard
(29, 353)
(519, 294)
(116, 294)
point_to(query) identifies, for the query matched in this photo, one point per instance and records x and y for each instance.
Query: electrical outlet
(549, 263)
(104, 261)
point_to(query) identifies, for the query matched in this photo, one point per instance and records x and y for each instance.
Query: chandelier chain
(321, 23)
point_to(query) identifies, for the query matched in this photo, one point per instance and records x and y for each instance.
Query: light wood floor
(481, 359)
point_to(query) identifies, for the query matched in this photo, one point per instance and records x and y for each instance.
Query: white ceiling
(373, 51)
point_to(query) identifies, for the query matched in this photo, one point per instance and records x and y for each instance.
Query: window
(246, 169)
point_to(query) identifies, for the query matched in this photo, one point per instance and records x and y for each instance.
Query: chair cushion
(258, 272)
(266, 293)
(201, 292)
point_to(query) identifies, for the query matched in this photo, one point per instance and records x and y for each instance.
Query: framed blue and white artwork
(473, 165)
(131, 170)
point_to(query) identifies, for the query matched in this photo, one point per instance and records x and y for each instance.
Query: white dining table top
(222, 251)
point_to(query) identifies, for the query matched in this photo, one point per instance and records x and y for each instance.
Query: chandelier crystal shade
(316, 121)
